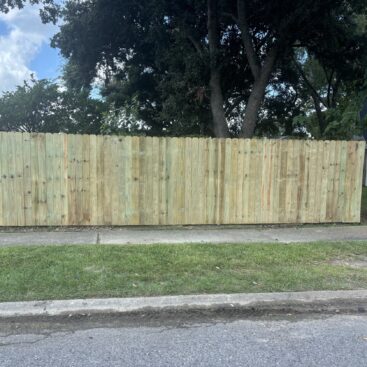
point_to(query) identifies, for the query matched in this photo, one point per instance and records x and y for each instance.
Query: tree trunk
(216, 95)
(216, 106)
(257, 96)
(252, 109)
(261, 73)
(320, 116)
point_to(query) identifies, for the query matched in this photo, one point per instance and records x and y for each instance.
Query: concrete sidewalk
(174, 235)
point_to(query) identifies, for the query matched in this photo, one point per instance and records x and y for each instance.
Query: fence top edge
(180, 137)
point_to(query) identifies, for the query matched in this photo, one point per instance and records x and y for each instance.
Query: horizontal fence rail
(59, 179)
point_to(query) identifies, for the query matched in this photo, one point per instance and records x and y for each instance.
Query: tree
(194, 60)
(48, 12)
(40, 106)
(335, 91)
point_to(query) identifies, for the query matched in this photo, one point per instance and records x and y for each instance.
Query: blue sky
(25, 49)
(47, 62)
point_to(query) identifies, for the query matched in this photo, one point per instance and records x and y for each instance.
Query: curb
(331, 301)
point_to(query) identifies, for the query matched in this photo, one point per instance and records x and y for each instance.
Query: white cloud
(20, 45)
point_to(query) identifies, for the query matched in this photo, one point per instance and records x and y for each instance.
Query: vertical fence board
(265, 183)
(357, 187)
(305, 205)
(64, 182)
(252, 198)
(19, 179)
(246, 181)
(100, 180)
(93, 197)
(227, 181)
(330, 182)
(283, 157)
(85, 180)
(34, 180)
(108, 161)
(312, 182)
(4, 194)
(240, 179)
(294, 183)
(324, 181)
(188, 180)
(195, 182)
(42, 179)
(9, 193)
(71, 179)
(171, 181)
(341, 192)
(276, 182)
(259, 154)
(118, 211)
(220, 181)
(349, 181)
(148, 182)
(334, 209)
(212, 192)
(57, 175)
(319, 177)
(289, 178)
(181, 180)
(49, 173)
(11, 180)
(232, 182)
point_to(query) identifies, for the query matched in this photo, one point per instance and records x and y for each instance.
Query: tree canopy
(48, 12)
(201, 67)
(40, 106)
(211, 67)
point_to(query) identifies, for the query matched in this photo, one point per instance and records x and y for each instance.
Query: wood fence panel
(58, 179)
(2, 182)
(4, 196)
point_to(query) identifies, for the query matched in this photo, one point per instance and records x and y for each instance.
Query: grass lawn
(61, 272)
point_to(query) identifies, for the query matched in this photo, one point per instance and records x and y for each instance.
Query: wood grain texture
(59, 179)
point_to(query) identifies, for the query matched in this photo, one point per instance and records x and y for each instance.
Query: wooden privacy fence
(58, 179)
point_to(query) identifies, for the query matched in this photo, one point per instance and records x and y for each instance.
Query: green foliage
(342, 122)
(151, 59)
(48, 12)
(40, 106)
(122, 122)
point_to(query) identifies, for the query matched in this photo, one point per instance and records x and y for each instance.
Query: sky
(25, 48)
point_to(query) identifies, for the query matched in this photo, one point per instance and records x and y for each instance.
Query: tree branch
(230, 15)
(329, 81)
(313, 91)
(196, 45)
(335, 89)
(247, 41)
(216, 94)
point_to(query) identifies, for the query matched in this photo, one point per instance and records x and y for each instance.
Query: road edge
(312, 301)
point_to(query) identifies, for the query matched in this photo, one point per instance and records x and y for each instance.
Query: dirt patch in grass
(356, 263)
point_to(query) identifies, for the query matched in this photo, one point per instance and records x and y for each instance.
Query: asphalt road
(339, 340)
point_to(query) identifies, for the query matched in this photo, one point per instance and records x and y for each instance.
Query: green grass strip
(62, 272)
